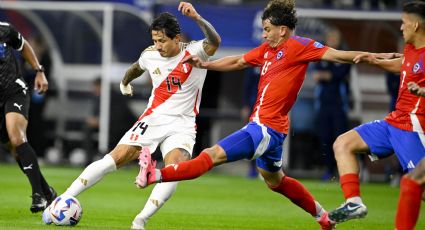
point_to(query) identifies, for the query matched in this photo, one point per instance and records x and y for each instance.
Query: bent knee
(17, 140)
(217, 154)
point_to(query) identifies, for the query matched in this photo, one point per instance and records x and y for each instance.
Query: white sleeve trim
(22, 45)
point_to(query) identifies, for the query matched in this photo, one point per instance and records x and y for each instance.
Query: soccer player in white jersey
(169, 119)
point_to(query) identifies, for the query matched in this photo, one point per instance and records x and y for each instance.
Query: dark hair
(281, 13)
(415, 7)
(166, 22)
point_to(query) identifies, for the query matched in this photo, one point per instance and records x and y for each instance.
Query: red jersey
(282, 73)
(409, 112)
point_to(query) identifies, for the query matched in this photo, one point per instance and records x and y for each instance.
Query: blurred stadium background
(85, 40)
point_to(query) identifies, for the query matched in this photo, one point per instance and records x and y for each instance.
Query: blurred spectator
(331, 102)
(121, 117)
(361, 4)
(250, 85)
(37, 124)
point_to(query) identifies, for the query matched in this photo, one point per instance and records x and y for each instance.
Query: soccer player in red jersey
(284, 59)
(401, 132)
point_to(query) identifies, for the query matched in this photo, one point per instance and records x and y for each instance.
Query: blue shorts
(255, 141)
(384, 139)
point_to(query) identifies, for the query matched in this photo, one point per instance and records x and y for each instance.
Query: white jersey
(177, 87)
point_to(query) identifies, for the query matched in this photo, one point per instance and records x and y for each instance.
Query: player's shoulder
(298, 40)
(149, 51)
(188, 45)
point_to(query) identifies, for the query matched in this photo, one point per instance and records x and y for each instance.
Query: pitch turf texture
(213, 202)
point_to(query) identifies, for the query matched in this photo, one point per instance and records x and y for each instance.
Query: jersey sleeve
(255, 57)
(312, 51)
(142, 58)
(197, 48)
(11, 36)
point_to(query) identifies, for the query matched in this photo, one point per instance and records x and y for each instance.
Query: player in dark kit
(14, 104)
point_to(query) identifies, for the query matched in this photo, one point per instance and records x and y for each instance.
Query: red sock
(297, 193)
(188, 169)
(409, 204)
(350, 185)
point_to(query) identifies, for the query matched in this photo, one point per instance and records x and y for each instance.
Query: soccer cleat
(52, 196)
(39, 203)
(147, 169)
(348, 211)
(46, 217)
(325, 222)
(138, 224)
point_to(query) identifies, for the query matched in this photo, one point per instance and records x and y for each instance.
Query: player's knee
(418, 173)
(340, 146)
(17, 140)
(217, 154)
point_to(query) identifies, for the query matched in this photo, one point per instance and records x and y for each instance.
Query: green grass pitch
(211, 202)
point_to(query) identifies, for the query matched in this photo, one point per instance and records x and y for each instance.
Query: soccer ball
(65, 210)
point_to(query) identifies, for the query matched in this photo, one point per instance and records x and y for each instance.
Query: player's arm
(340, 56)
(225, 64)
(40, 82)
(212, 39)
(390, 62)
(132, 73)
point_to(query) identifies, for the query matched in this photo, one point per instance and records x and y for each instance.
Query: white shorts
(178, 133)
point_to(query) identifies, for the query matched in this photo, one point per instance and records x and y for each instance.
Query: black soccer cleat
(39, 203)
(52, 196)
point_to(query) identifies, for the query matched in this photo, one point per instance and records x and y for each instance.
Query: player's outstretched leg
(147, 173)
(299, 195)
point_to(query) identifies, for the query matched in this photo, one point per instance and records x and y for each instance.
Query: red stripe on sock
(409, 204)
(350, 185)
(188, 169)
(297, 193)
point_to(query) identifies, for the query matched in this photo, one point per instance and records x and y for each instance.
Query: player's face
(273, 34)
(409, 24)
(167, 47)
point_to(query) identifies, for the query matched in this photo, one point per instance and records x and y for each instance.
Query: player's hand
(126, 90)
(388, 55)
(188, 10)
(40, 83)
(366, 58)
(416, 89)
(195, 61)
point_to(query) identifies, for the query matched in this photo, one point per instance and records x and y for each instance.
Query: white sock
(355, 199)
(160, 194)
(91, 175)
(319, 210)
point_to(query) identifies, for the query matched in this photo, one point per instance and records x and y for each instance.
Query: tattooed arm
(132, 73)
(212, 39)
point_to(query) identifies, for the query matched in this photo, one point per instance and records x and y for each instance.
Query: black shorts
(18, 103)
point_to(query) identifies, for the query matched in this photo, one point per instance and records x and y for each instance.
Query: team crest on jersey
(318, 45)
(279, 55)
(416, 67)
